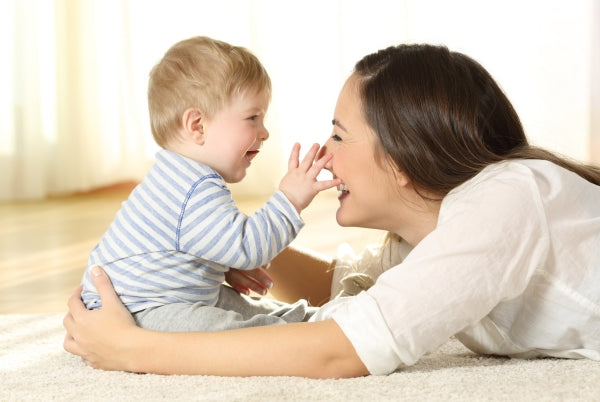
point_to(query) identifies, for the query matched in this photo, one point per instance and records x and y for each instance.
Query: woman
(504, 240)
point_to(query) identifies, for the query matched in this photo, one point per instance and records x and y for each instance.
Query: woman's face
(369, 190)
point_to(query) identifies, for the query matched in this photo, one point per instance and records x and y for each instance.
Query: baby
(179, 232)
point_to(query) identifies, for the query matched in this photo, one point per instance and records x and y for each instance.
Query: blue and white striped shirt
(179, 232)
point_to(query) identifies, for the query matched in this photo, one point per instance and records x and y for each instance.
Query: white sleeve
(491, 236)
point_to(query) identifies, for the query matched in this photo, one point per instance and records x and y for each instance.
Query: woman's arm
(292, 275)
(299, 273)
(108, 338)
(317, 350)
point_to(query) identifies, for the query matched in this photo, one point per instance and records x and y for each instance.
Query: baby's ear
(192, 120)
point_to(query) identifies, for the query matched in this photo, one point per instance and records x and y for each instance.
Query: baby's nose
(264, 134)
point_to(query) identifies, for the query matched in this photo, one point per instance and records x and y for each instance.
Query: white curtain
(73, 103)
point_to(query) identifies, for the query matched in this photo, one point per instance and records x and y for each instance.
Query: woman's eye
(336, 137)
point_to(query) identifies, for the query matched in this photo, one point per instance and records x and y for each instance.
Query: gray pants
(232, 310)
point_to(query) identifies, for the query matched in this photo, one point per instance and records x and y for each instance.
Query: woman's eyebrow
(338, 124)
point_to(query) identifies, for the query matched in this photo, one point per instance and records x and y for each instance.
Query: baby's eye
(253, 117)
(336, 137)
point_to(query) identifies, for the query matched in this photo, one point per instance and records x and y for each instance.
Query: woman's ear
(395, 173)
(402, 179)
(192, 120)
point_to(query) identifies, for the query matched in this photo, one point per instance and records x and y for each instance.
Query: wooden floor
(44, 245)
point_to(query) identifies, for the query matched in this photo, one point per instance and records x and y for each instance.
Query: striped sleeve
(213, 228)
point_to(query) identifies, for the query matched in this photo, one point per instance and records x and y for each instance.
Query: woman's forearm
(317, 350)
(108, 338)
(301, 274)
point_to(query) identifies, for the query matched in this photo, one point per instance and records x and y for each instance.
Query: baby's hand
(300, 184)
(257, 280)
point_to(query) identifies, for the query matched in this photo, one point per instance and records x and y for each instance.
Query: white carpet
(34, 367)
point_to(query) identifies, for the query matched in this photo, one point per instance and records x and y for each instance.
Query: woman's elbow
(330, 352)
(348, 366)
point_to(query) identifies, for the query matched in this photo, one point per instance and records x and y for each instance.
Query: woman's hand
(257, 280)
(109, 339)
(100, 336)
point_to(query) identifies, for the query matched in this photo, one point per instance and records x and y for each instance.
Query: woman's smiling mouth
(343, 190)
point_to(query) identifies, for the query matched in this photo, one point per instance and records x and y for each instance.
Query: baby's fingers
(325, 184)
(294, 157)
(316, 167)
(321, 162)
(309, 158)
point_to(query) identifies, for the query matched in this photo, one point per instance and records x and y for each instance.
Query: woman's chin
(344, 220)
(341, 219)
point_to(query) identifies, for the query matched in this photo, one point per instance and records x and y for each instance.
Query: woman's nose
(322, 152)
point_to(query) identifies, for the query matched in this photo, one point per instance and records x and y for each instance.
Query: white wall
(539, 51)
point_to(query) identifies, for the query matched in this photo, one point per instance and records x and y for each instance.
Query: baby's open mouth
(251, 155)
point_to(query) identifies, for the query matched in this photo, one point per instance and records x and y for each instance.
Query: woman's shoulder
(518, 169)
(528, 172)
(503, 189)
(552, 182)
(525, 185)
(500, 178)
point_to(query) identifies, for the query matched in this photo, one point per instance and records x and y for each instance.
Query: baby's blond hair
(203, 73)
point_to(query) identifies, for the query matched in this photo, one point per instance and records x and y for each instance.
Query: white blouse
(512, 268)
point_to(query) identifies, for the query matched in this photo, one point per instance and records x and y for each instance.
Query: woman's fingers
(75, 304)
(104, 286)
(70, 345)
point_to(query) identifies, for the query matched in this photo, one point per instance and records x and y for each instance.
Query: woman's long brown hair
(441, 118)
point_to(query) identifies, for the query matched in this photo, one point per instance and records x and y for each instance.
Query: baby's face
(233, 137)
